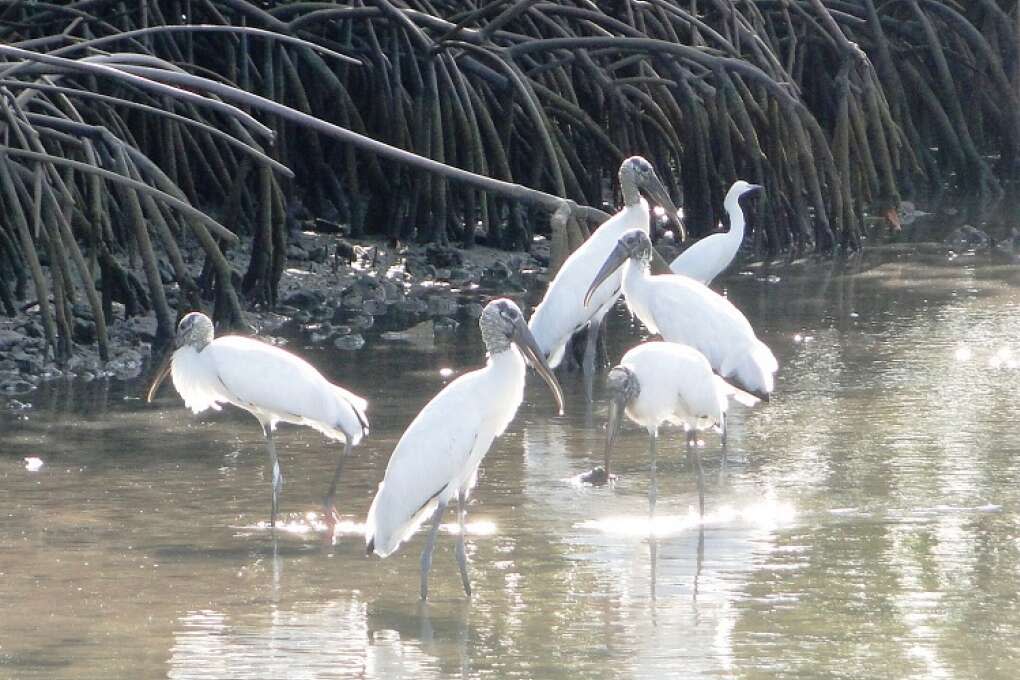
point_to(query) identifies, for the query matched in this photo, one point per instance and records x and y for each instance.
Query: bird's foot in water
(597, 477)
(331, 516)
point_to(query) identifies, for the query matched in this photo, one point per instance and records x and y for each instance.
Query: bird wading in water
(436, 460)
(270, 383)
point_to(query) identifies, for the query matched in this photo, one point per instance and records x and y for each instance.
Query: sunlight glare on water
(864, 525)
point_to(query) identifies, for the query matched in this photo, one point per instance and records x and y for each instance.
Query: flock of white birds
(708, 356)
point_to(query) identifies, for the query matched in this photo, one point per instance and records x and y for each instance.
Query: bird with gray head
(436, 460)
(658, 383)
(270, 383)
(711, 255)
(564, 310)
(682, 310)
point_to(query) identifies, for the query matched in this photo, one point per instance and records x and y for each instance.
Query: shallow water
(865, 525)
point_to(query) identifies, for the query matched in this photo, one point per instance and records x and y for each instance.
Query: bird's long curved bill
(612, 263)
(529, 347)
(657, 191)
(612, 425)
(161, 373)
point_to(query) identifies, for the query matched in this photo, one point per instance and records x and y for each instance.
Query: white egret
(268, 382)
(710, 256)
(564, 310)
(665, 382)
(437, 457)
(685, 311)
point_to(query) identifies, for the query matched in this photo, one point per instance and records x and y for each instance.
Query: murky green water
(866, 525)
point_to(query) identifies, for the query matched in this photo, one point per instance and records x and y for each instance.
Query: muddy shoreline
(334, 292)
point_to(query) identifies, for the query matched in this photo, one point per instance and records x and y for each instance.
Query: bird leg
(694, 456)
(461, 554)
(591, 343)
(653, 487)
(430, 545)
(277, 475)
(329, 505)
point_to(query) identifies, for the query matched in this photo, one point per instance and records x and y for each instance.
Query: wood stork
(710, 256)
(664, 382)
(685, 311)
(564, 310)
(271, 384)
(437, 457)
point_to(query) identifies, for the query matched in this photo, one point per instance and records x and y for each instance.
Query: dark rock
(439, 305)
(412, 305)
(373, 307)
(295, 252)
(84, 331)
(472, 310)
(304, 299)
(392, 291)
(349, 342)
(443, 256)
(351, 300)
(419, 268)
(460, 276)
(317, 254)
(344, 251)
(83, 311)
(444, 327)
(968, 237)
(9, 339)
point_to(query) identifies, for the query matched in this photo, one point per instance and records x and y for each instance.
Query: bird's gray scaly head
(635, 173)
(502, 323)
(498, 321)
(637, 244)
(622, 385)
(194, 330)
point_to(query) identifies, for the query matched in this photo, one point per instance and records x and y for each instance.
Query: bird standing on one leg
(564, 309)
(270, 383)
(436, 460)
(665, 382)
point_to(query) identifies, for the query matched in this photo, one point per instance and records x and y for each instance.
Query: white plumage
(664, 382)
(564, 311)
(710, 256)
(687, 312)
(438, 455)
(270, 383)
(436, 460)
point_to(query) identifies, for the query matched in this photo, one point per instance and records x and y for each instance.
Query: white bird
(270, 383)
(564, 311)
(710, 256)
(685, 311)
(437, 457)
(665, 382)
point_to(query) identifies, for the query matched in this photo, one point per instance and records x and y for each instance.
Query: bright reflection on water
(865, 523)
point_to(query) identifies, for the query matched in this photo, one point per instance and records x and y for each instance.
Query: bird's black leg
(461, 553)
(277, 474)
(430, 545)
(332, 516)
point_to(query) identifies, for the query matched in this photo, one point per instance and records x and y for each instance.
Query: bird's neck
(509, 359)
(629, 188)
(635, 274)
(736, 214)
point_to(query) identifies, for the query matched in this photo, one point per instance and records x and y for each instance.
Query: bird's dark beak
(754, 190)
(612, 263)
(161, 373)
(616, 408)
(657, 192)
(523, 338)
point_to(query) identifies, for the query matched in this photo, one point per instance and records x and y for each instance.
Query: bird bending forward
(270, 383)
(436, 460)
